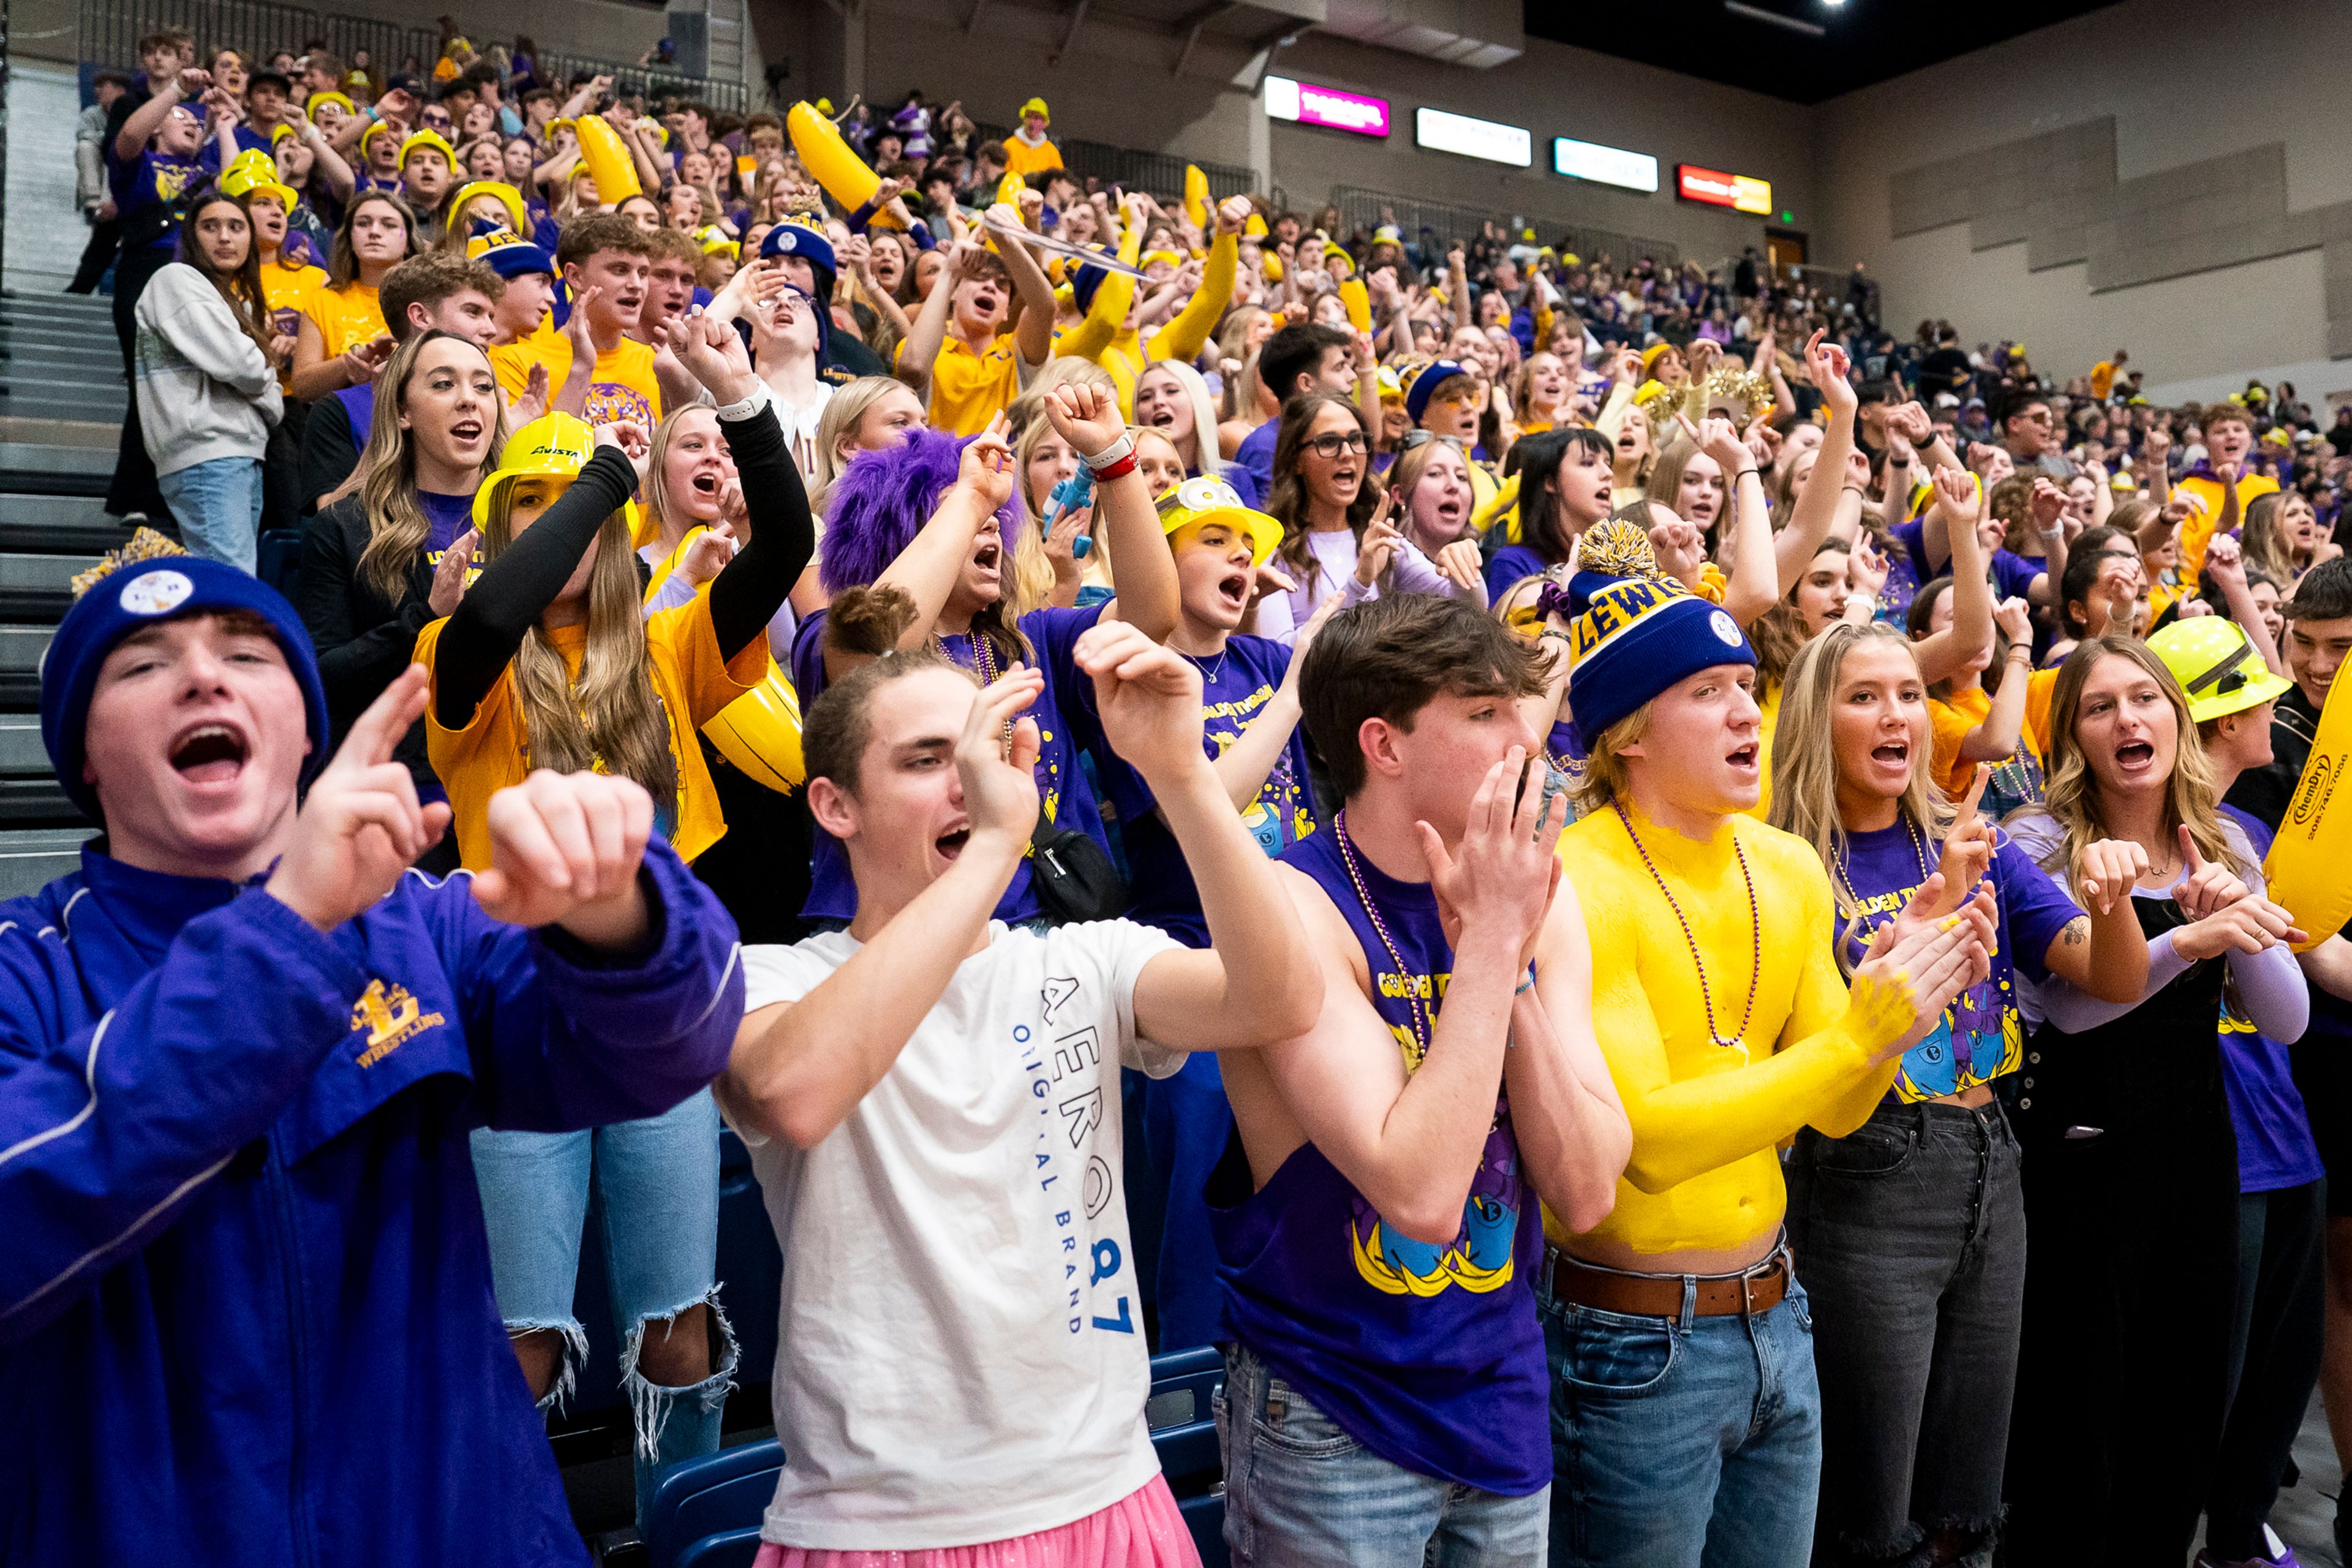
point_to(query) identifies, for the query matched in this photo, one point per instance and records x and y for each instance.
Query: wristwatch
(761, 396)
(1112, 454)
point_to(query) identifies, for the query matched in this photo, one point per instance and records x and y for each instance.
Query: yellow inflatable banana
(1196, 196)
(608, 162)
(760, 732)
(1358, 301)
(843, 174)
(1009, 189)
(2306, 868)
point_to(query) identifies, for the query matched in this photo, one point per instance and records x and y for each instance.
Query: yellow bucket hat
(1205, 499)
(509, 197)
(552, 446)
(1036, 106)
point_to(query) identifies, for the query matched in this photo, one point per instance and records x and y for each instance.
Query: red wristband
(1124, 466)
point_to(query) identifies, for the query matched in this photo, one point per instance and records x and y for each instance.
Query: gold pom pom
(1616, 549)
(145, 544)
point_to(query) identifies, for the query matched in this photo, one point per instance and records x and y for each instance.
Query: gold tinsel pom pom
(1616, 549)
(145, 544)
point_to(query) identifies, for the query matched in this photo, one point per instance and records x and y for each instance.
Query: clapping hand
(449, 573)
(1916, 964)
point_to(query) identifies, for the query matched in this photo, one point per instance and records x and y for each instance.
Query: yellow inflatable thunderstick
(2306, 868)
(840, 171)
(608, 162)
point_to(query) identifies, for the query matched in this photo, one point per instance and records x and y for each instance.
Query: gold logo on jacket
(391, 1018)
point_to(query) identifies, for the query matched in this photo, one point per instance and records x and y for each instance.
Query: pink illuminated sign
(1326, 106)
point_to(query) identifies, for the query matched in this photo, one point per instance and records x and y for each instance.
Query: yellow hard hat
(253, 160)
(552, 446)
(320, 99)
(2217, 666)
(250, 183)
(509, 197)
(1207, 500)
(381, 128)
(279, 132)
(432, 139)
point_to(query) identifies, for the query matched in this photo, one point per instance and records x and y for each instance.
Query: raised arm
(1942, 654)
(1188, 334)
(1412, 1142)
(1994, 739)
(920, 351)
(926, 570)
(752, 586)
(513, 590)
(1032, 340)
(799, 1068)
(1256, 983)
(1114, 296)
(1087, 418)
(1817, 505)
(144, 121)
(1752, 586)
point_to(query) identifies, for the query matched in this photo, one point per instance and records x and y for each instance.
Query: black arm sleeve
(513, 590)
(752, 587)
(330, 449)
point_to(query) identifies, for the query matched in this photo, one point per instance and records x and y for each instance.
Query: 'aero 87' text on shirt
(961, 1355)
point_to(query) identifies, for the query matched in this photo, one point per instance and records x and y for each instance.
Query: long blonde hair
(397, 526)
(844, 413)
(1805, 762)
(2070, 790)
(1029, 585)
(659, 502)
(611, 720)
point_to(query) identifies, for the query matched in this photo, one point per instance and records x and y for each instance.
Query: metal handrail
(110, 31)
(1131, 168)
(1364, 209)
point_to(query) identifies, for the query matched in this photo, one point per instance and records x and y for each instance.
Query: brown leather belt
(1758, 1289)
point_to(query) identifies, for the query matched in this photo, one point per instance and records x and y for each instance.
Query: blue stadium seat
(1184, 1433)
(735, 1548)
(713, 1505)
(720, 1496)
(280, 561)
(1183, 1428)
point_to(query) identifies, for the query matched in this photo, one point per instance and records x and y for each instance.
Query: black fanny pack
(1073, 875)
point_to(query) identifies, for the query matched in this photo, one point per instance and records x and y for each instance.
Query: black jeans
(105, 239)
(134, 488)
(1911, 1235)
(2123, 1364)
(2273, 1359)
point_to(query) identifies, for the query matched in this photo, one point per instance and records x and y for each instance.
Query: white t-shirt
(960, 1356)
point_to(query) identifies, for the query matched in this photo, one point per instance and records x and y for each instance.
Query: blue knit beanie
(1636, 632)
(141, 592)
(1432, 375)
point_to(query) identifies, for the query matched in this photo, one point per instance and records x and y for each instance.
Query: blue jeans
(1300, 1493)
(1685, 1442)
(660, 1181)
(218, 504)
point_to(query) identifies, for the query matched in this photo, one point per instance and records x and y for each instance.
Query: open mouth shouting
(1745, 758)
(1892, 757)
(211, 755)
(950, 843)
(2135, 759)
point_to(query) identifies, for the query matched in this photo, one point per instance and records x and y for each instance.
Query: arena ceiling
(1772, 46)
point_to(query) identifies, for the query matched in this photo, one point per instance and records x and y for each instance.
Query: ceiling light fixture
(1758, 14)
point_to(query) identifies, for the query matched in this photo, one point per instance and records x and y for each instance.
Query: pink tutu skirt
(1142, 1530)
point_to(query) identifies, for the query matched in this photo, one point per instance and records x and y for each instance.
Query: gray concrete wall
(2142, 177)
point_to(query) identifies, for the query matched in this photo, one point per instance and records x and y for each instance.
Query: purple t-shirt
(2275, 1144)
(1062, 786)
(1235, 686)
(1507, 565)
(1980, 1035)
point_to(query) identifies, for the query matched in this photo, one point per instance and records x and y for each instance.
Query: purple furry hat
(882, 500)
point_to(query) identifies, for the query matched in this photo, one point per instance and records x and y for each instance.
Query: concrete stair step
(37, 802)
(32, 857)
(21, 649)
(22, 755)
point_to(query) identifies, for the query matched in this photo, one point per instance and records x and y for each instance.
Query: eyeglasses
(1423, 437)
(1329, 446)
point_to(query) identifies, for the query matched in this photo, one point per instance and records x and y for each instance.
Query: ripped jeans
(659, 1178)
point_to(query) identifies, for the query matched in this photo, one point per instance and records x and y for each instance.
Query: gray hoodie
(206, 390)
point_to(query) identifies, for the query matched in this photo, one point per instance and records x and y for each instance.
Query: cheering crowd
(1647, 903)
